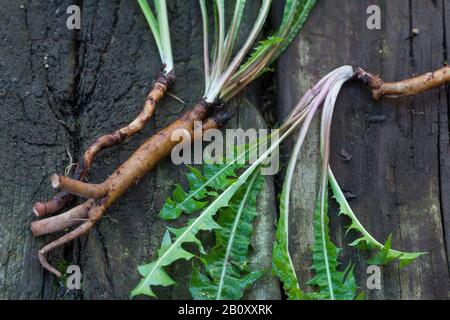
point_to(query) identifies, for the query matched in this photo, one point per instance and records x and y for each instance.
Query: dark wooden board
(399, 166)
(97, 78)
(34, 132)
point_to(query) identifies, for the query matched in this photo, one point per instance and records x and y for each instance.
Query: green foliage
(383, 256)
(259, 52)
(171, 250)
(295, 16)
(159, 26)
(367, 241)
(282, 264)
(226, 273)
(325, 260)
(331, 283)
(214, 179)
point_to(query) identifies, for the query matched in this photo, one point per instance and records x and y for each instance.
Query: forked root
(82, 229)
(160, 87)
(404, 88)
(158, 147)
(95, 212)
(140, 163)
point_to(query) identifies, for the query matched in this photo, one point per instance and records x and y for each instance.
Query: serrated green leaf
(259, 52)
(160, 277)
(226, 274)
(214, 179)
(383, 256)
(301, 11)
(367, 241)
(204, 221)
(282, 264)
(331, 283)
(171, 251)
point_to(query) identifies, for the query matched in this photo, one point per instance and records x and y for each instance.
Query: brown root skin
(127, 175)
(59, 201)
(82, 229)
(62, 221)
(160, 145)
(404, 88)
(160, 87)
(379, 88)
(78, 188)
(76, 215)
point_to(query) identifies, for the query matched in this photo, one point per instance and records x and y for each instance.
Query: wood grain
(60, 89)
(399, 149)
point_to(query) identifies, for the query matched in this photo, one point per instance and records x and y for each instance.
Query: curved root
(94, 214)
(160, 87)
(140, 163)
(82, 229)
(407, 87)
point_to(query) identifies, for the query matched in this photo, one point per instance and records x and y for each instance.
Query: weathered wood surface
(398, 174)
(97, 78)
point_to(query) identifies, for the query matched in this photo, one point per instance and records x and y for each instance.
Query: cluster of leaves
(213, 179)
(226, 77)
(224, 196)
(384, 253)
(329, 282)
(224, 272)
(171, 250)
(268, 50)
